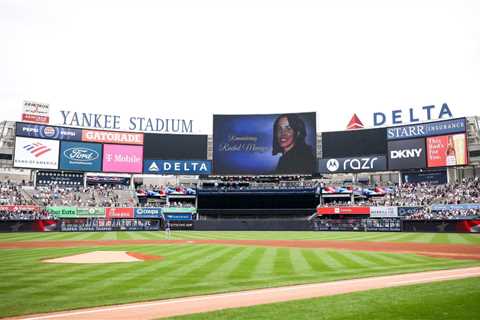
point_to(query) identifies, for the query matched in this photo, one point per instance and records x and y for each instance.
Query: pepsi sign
(80, 156)
(178, 167)
(47, 132)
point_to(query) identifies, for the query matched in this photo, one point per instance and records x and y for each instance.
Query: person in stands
(289, 135)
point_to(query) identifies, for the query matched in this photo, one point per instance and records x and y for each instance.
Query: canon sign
(352, 164)
(406, 154)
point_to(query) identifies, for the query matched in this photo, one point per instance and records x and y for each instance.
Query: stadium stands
(251, 198)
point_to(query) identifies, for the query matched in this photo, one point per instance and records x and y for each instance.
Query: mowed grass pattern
(28, 285)
(457, 299)
(446, 238)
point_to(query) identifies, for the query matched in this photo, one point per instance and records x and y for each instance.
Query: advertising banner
(147, 213)
(432, 177)
(175, 146)
(178, 167)
(36, 153)
(354, 143)
(122, 158)
(427, 129)
(179, 217)
(19, 208)
(338, 224)
(181, 225)
(112, 137)
(63, 212)
(47, 132)
(407, 154)
(78, 156)
(76, 225)
(383, 212)
(95, 180)
(380, 224)
(45, 225)
(35, 112)
(179, 210)
(353, 164)
(264, 144)
(407, 211)
(343, 210)
(466, 226)
(58, 178)
(445, 151)
(450, 207)
(119, 213)
(90, 212)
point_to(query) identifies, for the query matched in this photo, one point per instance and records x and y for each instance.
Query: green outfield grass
(454, 238)
(457, 299)
(28, 285)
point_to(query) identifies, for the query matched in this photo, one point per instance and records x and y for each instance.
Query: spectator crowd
(92, 196)
(406, 195)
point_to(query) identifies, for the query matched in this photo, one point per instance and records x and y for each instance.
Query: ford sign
(81, 154)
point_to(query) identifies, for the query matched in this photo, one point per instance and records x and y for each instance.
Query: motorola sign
(352, 164)
(332, 165)
(406, 154)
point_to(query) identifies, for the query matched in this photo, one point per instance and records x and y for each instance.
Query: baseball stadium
(239, 160)
(243, 223)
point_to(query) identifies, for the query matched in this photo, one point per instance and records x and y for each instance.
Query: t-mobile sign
(122, 158)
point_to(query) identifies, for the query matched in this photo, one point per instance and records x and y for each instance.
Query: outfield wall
(252, 225)
(461, 226)
(354, 224)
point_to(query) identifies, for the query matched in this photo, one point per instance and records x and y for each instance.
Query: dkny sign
(352, 164)
(406, 154)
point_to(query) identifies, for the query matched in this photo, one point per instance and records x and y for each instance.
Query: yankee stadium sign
(109, 121)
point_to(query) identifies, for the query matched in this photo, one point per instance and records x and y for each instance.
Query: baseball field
(197, 263)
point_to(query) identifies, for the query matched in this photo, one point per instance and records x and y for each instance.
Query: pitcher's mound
(104, 257)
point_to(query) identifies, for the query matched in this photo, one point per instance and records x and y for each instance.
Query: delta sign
(398, 116)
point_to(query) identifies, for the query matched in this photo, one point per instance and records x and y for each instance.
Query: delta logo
(37, 149)
(153, 167)
(355, 123)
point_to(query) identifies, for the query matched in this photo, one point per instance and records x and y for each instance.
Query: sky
(192, 59)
